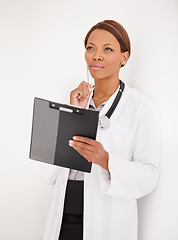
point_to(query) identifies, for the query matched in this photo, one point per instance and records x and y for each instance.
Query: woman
(125, 155)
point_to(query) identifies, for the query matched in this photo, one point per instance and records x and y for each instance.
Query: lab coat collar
(108, 103)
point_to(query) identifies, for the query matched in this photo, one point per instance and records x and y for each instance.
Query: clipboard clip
(64, 108)
(69, 110)
(54, 105)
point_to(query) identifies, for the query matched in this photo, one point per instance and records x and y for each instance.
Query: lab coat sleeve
(133, 179)
(47, 172)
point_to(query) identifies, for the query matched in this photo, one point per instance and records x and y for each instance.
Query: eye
(108, 49)
(89, 48)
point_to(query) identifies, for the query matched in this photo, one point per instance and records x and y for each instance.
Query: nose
(97, 58)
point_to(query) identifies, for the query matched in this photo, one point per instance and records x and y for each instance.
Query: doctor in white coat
(125, 156)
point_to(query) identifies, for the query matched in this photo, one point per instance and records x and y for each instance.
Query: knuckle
(97, 151)
(78, 145)
(83, 83)
(78, 138)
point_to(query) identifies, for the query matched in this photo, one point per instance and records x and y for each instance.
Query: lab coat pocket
(121, 139)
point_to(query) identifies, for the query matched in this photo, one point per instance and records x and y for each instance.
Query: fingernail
(70, 142)
(74, 137)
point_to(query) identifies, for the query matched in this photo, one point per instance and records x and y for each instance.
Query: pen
(88, 75)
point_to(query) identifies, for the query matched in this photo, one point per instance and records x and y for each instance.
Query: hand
(79, 97)
(90, 149)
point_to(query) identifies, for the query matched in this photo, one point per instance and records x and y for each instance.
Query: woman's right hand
(79, 97)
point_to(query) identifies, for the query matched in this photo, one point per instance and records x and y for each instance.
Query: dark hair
(117, 30)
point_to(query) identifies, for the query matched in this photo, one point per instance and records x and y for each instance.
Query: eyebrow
(106, 44)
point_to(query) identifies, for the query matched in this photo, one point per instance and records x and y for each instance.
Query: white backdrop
(42, 54)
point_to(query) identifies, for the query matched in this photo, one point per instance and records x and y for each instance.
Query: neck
(105, 88)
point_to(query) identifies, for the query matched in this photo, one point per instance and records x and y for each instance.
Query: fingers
(84, 90)
(85, 140)
(81, 145)
(91, 150)
(80, 95)
(87, 147)
(86, 150)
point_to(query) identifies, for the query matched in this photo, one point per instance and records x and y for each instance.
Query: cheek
(114, 60)
(114, 63)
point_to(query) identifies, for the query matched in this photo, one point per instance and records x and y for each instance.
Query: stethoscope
(104, 120)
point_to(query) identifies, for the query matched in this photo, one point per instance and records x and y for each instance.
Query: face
(103, 55)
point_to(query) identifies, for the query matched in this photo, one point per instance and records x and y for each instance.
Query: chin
(98, 76)
(101, 78)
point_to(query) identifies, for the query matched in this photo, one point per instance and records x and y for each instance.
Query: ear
(125, 57)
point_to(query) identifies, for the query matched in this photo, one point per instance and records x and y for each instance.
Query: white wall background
(42, 54)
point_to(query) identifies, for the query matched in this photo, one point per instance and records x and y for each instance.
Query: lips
(96, 67)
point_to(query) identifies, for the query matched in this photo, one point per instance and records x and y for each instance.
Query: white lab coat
(133, 144)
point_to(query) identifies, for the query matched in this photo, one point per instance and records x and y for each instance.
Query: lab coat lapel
(108, 104)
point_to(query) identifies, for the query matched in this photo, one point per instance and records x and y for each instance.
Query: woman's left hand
(90, 149)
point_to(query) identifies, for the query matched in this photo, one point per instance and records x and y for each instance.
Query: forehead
(100, 36)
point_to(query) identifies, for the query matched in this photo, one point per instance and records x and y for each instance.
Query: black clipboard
(54, 124)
